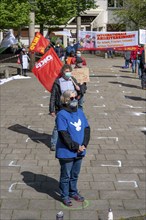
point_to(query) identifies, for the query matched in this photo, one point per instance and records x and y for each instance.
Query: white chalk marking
(93, 92)
(101, 97)
(46, 96)
(41, 113)
(104, 129)
(137, 113)
(130, 106)
(110, 165)
(116, 138)
(101, 106)
(123, 181)
(13, 184)
(126, 92)
(46, 91)
(102, 113)
(120, 85)
(40, 129)
(35, 138)
(143, 128)
(27, 140)
(13, 165)
(44, 106)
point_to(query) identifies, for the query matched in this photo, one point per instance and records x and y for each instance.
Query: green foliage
(83, 5)
(52, 12)
(133, 14)
(55, 12)
(14, 14)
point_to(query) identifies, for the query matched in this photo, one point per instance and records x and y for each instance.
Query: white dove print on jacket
(77, 124)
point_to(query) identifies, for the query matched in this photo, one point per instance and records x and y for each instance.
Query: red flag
(47, 69)
(39, 44)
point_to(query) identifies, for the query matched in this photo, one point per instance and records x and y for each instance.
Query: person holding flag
(61, 84)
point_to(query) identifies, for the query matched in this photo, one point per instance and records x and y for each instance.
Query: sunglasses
(72, 98)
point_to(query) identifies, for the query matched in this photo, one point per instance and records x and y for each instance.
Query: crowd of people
(135, 61)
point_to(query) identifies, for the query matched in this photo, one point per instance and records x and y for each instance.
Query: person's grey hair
(65, 97)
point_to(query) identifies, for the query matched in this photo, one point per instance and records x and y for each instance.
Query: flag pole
(76, 86)
(145, 53)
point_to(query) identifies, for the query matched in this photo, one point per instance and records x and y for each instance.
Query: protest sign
(81, 74)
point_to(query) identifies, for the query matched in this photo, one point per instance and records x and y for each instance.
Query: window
(115, 3)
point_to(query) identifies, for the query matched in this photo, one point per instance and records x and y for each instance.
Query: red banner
(47, 69)
(39, 44)
(130, 48)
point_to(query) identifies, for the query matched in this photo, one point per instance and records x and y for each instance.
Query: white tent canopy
(62, 33)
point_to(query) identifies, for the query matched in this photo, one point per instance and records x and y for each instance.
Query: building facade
(100, 19)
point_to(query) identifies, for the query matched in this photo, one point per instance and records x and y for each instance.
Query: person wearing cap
(24, 61)
(73, 139)
(65, 82)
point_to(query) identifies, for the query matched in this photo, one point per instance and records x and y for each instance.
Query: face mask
(73, 103)
(67, 74)
(71, 45)
(78, 55)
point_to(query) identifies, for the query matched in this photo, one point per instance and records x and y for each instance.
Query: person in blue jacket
(73, 138)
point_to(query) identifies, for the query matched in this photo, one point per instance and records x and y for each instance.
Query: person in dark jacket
(73, 138)
(65, 82)
(70, 48)
(143, 69)
(60, 51)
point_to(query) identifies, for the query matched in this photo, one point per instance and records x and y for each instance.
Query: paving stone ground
(113, 172)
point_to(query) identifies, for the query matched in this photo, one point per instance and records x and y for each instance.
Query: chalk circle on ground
(83, 205)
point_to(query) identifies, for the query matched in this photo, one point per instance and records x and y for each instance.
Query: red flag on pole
(47, 69)
(39, 44)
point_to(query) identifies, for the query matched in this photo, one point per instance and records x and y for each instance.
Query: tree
(52, 13)
(133, 14)
(49, 13)
(14, 14)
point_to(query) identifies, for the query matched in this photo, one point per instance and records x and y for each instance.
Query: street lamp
(32, 32)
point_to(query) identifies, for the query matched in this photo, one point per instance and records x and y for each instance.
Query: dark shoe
(67, 202)
(52, 148)
(78, 198)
